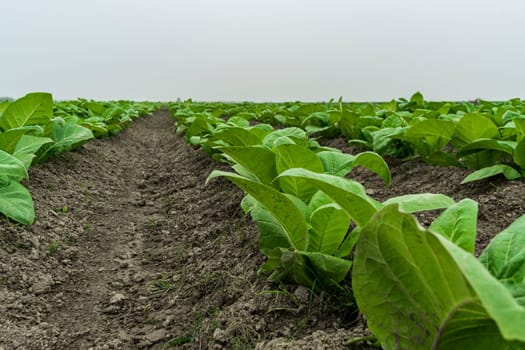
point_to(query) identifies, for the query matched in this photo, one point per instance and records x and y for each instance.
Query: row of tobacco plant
(418, 288)
(34, 128)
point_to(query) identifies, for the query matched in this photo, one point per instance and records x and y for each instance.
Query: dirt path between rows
(130, 250)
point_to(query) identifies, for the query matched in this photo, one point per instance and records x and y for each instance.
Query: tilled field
(130, 250)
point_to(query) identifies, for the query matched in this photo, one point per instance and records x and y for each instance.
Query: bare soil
(131, 250)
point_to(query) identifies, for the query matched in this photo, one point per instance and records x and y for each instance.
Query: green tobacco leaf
(431, 128)
(394, 121)
(271, 233)
(312, 269)
(520, 128)
(295, 134)
(327, 269)
(350, 195)
(336, 163)
(34, 108)
(98, 129)
(430, 136)
(27, 146)
(504, 257)
(494, 296)
(294, 269)
(284, 210)
(417, 98)
(412, 291)
(16, 202)
(311, 129)
(473, 127)
(235, 136)
(11, 167)
(384, 137)
(248, 203)
(261, 130)
(346, 248)
(486, 144)
(65, 135)
(9, 139)
(259, 160)
(318, 199)
(294, 156)
(201, 125)
(499, 169)
(412, 203)
(441, 158)
(458, 223)
(329, 226)
(375, 163)
(519, 154)
(3, 106)
(237, 121)
(322, 117)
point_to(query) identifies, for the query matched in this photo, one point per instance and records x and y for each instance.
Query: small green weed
(53, 247)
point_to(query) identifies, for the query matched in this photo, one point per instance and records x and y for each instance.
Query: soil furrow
(131, 250)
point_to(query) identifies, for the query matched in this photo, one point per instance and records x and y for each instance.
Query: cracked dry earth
(130, 250)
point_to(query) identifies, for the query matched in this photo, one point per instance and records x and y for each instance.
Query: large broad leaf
(16, 202)
(336, 163)
(3, 106)
(519, 154)
(318, 199)
(375, 163)
(259, 160)
(430, 136)
(412, 203)
(34, 108)
(458, 223)
(340, 164)
(293, 268)
(261, 130)
(297, 135)
(282, 208)
(201, 124)
(327, 269)
(27, 146)
(384, 137)
(520, 128)
(432, 129)
(9, 139)
(474, 126)
(487, 144)
(271, 233)
(350, 195)
(504, 257)
(294, 156)
(65, 135)
(329, 225)
(417, 99)
(235, 136)
(11, 167)
(497, 300)
(312, 269)
(415, 296)
(499, 169)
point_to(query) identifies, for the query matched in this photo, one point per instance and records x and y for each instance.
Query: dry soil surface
(131, 250)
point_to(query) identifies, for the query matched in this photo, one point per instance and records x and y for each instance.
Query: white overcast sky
(271, 50)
